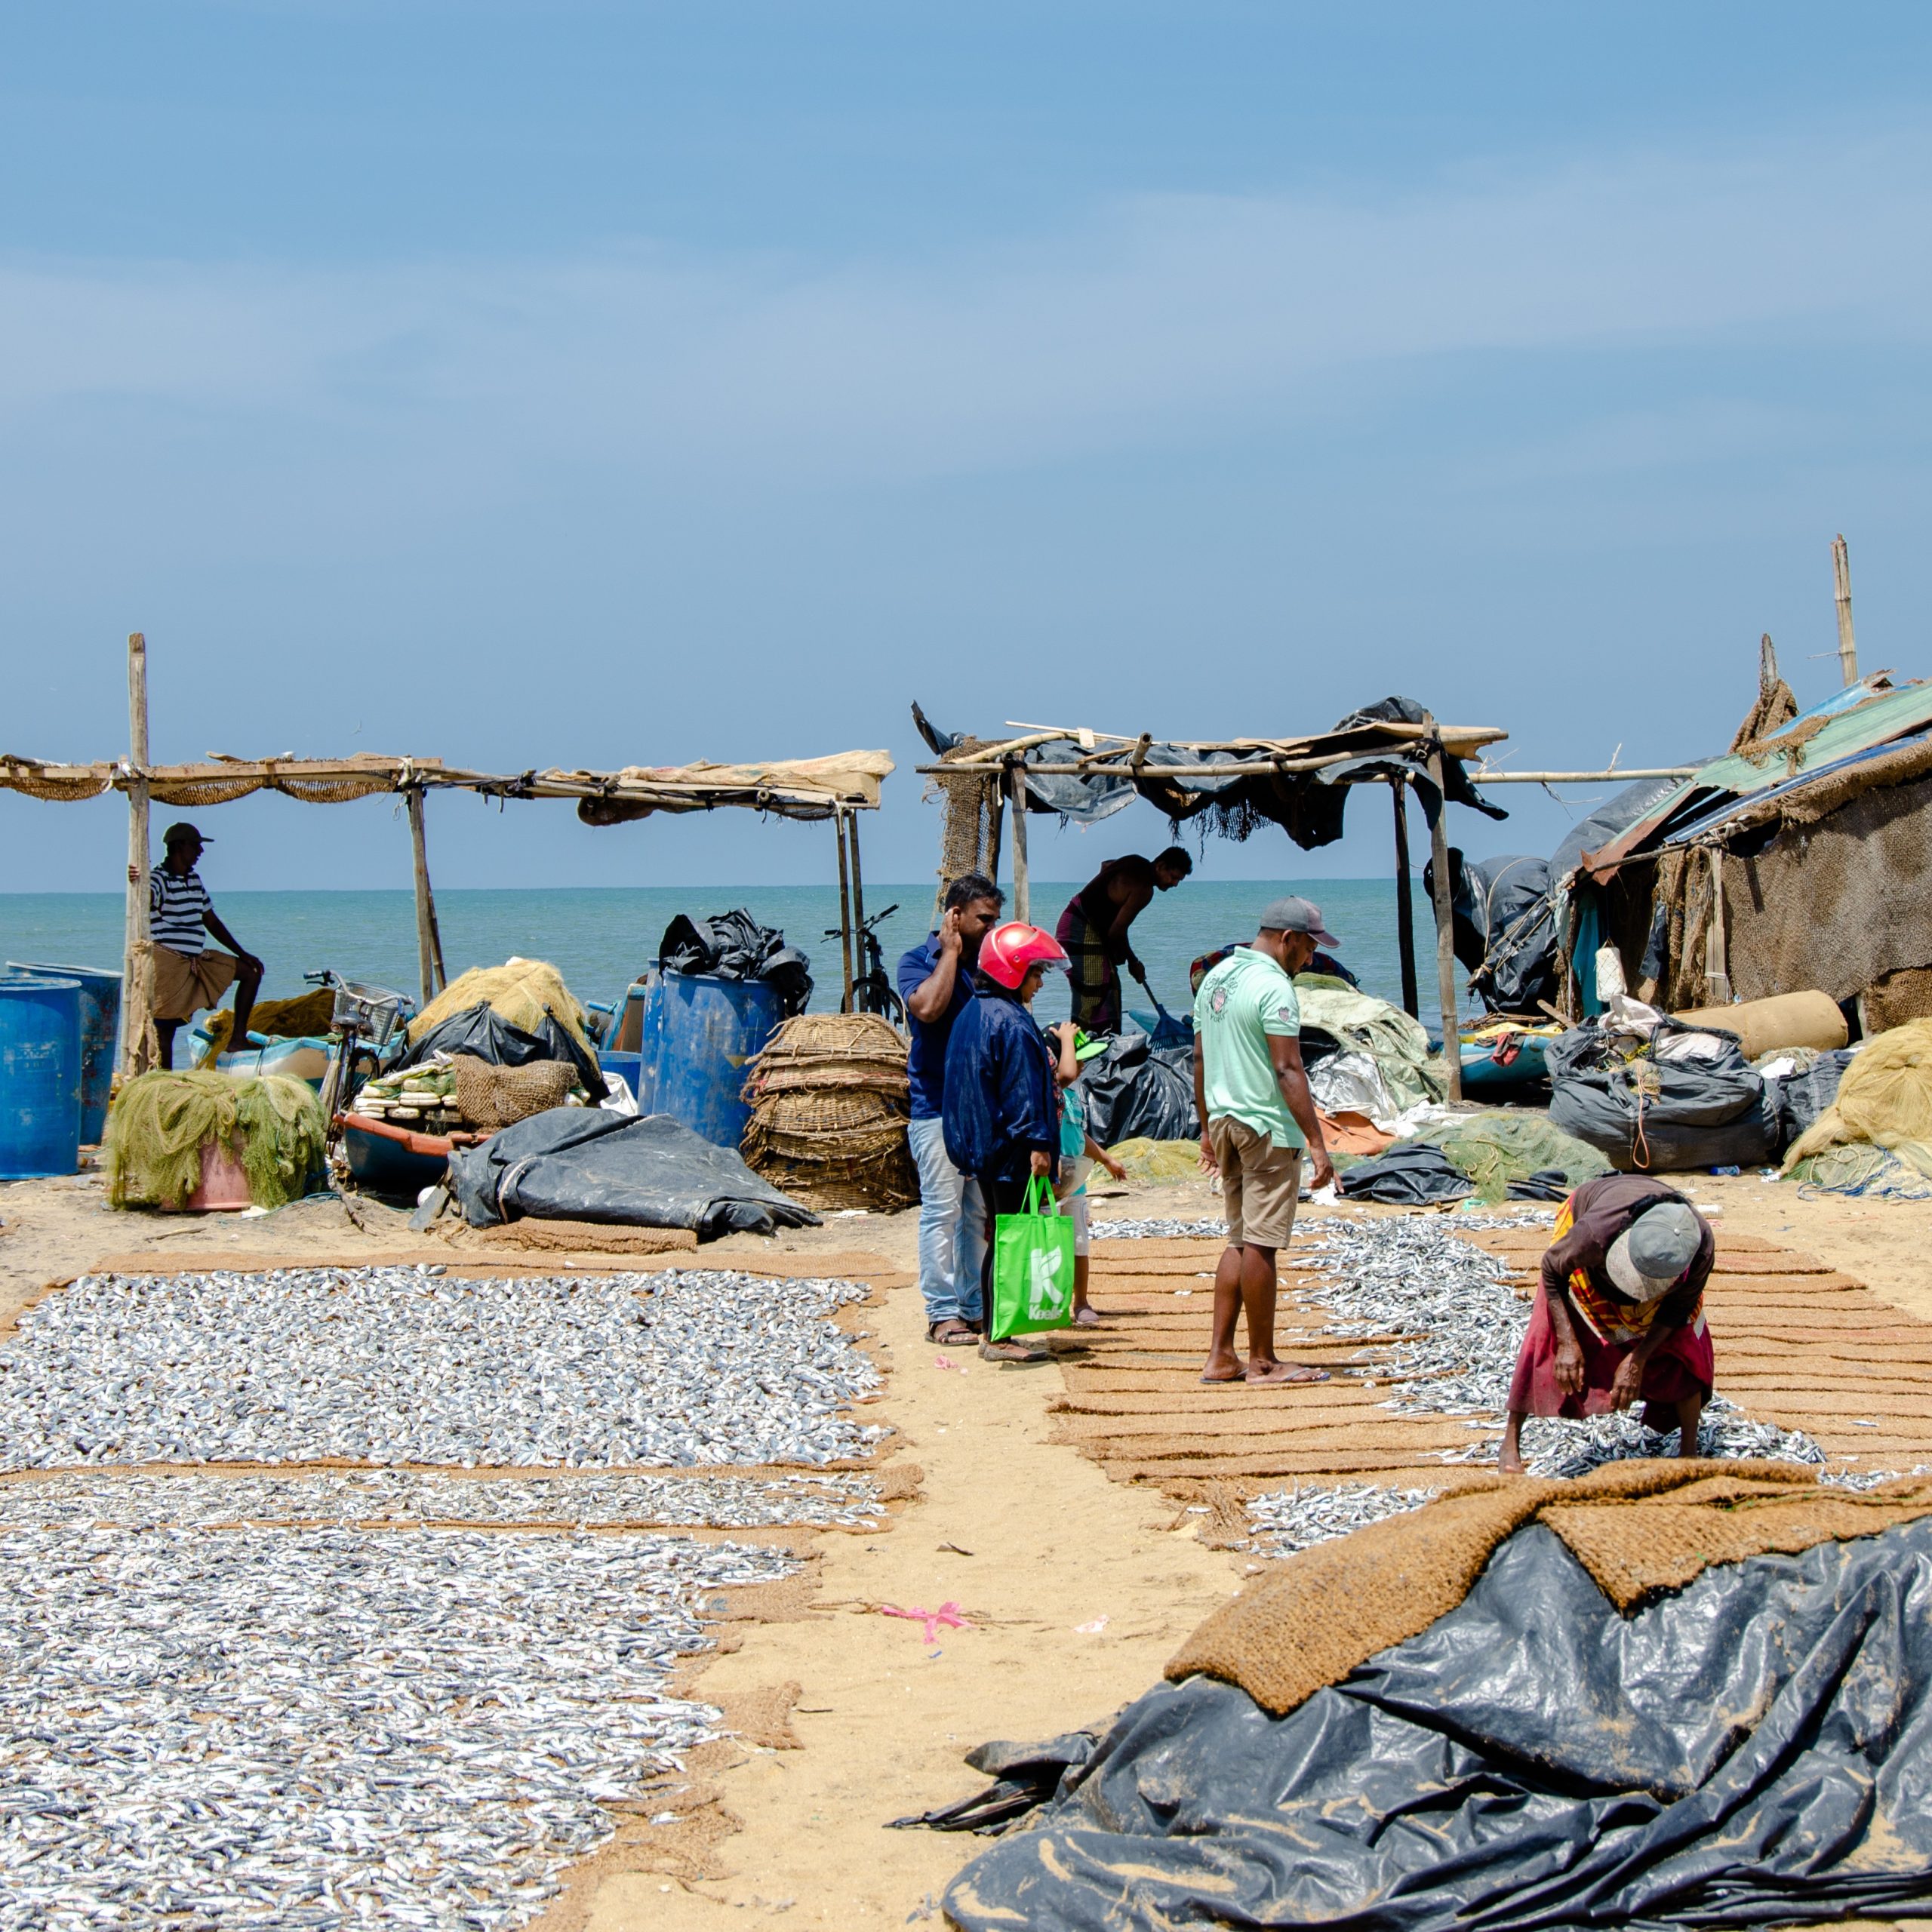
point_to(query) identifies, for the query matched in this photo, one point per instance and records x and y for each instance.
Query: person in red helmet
(1002, 1110)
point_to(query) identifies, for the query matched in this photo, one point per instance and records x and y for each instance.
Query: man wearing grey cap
(1250, 1094)
(1619, 1314)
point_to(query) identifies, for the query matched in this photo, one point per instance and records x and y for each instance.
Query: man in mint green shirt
(1257, 1118)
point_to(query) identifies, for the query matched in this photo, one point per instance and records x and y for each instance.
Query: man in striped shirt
(188, 975)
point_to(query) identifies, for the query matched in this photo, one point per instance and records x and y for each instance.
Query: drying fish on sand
(392, 1364)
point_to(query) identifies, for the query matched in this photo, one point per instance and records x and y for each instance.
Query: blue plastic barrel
(101, 1020)
(698, 1033)
(40, 1076)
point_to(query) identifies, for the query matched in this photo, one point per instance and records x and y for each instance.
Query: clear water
(600, 938)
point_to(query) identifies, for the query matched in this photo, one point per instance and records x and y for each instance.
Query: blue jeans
(952, 1229)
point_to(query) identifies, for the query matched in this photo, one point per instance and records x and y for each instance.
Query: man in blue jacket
(936, 982)
(1001, 1112)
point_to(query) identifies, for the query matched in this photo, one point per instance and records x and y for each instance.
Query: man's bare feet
(1223, 1368)
(1271, 1374)
(1509, 1459)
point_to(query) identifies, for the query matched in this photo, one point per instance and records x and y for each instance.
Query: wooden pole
(995, 818)
(1445, 927)
(429, 939)
(1842, 579)
(858, 896)
(1717, 956)
(1405, 907)
(844, 909)
(1021, 904)
(139, 1047)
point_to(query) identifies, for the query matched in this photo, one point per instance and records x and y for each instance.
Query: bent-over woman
(1619, 1314)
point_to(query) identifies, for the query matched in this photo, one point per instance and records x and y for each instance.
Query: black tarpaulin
(581, 1164)
(1755, 1748)
(733, 945)
(1245, 789)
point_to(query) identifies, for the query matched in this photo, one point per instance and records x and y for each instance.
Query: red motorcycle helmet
(1007, 952)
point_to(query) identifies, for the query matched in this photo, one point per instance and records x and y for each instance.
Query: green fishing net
(1495, 1149)
(159, 1123)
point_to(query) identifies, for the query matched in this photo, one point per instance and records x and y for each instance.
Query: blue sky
(597, 384)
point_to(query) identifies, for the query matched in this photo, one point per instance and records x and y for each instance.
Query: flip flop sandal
(1301, 1376)
(1222, 1381)
(1088, 1318)
(950, 1333)
(1010, 1351)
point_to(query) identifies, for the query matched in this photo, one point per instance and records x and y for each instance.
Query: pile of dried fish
(1458, 1321)
(1451, 1324)
(1157, 1230)
(1287, 1519)
(331, 1729)
(392, 1364)
(344, 1498)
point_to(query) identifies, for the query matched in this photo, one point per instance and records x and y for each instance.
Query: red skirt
(1685, 1365)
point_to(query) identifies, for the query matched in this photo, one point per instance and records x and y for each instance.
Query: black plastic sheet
(1136, 1090)
(1706, 1113)
(1801, 1097)
(1410, 1174)
(482, 1030)
(733, 945)
(581, 1164)
(1754, 1749)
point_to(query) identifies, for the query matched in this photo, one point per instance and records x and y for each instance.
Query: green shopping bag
(1033, 1266)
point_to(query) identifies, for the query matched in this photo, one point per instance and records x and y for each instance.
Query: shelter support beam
(1405, 909)
(1717, 954)
(1445, 930)
(429, 938)
(844, 910)
(1016, 778)
(138, 1048)
(858, 898)
(1841, 582)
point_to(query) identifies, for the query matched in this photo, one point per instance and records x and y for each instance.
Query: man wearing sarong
(1619, 1314)
(1093, 931)
(189, 976)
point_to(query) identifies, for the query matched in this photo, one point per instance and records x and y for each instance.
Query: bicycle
(872, 991)
(364, 1018)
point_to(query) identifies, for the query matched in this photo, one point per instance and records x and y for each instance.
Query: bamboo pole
(1841, 580)
(995, 824)
(1016, 778)
(1445, 928)
(844, 911)
(429, 939)
(858, 897)
(140, 1049)
(1405, 908)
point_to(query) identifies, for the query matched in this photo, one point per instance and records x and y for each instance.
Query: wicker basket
(829, 1101)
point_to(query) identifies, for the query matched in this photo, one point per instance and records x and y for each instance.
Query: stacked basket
(829, 1103)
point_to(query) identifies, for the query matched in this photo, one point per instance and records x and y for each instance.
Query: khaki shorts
(185, 982)
(1259, 1183)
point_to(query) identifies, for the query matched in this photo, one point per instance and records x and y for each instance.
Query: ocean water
(600, 939)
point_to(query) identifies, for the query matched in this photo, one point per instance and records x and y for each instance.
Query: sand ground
(1077, 1589)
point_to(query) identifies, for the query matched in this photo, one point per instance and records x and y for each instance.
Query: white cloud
(1162, 317)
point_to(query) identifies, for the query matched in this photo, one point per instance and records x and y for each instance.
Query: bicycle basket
(374, 1012)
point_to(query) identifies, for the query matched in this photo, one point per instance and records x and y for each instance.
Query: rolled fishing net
(160, 1122)
(1884, 1100)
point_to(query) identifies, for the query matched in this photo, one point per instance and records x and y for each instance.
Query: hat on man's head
(1296, 915)
(179, 833)
(1648, 1258)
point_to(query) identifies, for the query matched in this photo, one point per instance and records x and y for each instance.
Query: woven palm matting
(1798, 1344)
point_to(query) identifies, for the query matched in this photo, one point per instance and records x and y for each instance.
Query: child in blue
(1078, 1150)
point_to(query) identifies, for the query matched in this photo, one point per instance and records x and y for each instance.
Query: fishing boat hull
(392, 1160)
(1483, 1073)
